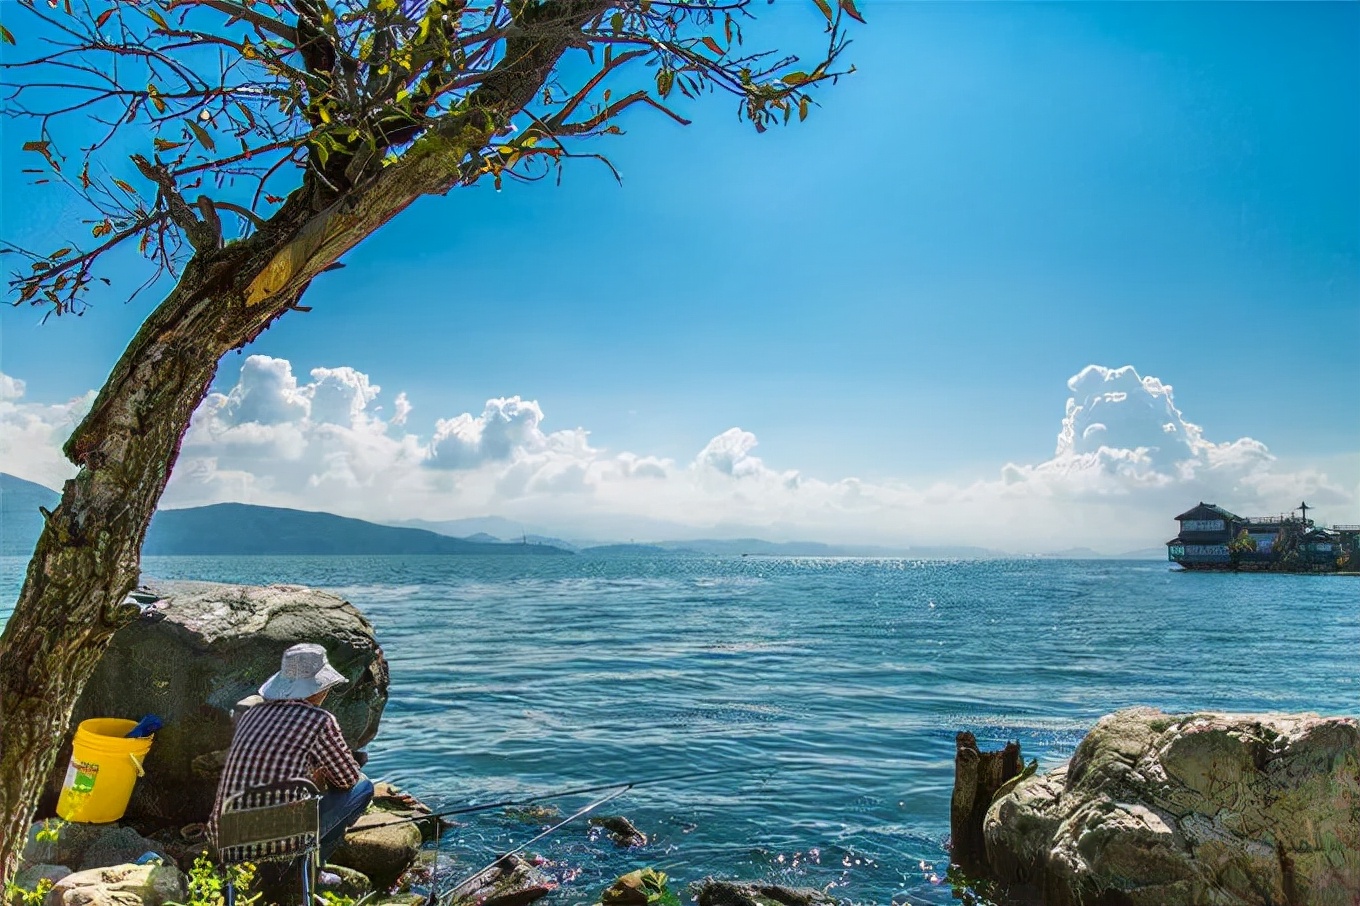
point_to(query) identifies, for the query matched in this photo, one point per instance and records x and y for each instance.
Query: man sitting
(289, 736)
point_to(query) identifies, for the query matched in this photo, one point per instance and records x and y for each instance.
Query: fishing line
(434, 895)
(576, 791)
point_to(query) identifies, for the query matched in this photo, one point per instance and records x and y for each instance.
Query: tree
(1239, 546)
(268, 138)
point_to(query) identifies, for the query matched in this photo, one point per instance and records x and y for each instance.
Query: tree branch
(203, 235)
(244, 13)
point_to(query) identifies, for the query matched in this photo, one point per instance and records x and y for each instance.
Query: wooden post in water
(977, 777)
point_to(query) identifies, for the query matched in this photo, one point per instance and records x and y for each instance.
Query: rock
(67, 849)
(712, 892)
(533, 814)
(345, 882)
(397, 803)
(621, 830)
(635, 888)
(194, 655)
(512, 881)
(120, 885)
(119, 846)
(1227, 809)
(29, 876)
(379, 848)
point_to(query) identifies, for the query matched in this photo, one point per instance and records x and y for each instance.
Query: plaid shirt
(284, 740)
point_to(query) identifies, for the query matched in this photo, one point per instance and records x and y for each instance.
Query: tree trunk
(977, 777)
(89, 555)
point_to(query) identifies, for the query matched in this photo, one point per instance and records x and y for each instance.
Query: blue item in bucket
(145, 727)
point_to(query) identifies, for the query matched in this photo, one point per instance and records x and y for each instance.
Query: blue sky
(899, 288)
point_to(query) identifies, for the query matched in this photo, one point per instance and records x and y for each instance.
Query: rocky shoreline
(1156, 809)
(1152, 810)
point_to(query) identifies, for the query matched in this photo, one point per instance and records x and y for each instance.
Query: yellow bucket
(104, 767)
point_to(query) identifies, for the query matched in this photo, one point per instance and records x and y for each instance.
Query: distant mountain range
(239, 528)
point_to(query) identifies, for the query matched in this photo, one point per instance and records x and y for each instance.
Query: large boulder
(1207, 808)
(196, 652)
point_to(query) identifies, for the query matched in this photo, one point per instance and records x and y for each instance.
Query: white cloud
(31, 434)
(1126, 461)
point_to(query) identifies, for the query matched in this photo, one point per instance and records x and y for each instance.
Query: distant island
(246, 529)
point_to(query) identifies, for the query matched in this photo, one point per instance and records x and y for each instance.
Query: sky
(1034, 276)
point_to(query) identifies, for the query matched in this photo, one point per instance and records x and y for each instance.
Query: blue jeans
(339, 810)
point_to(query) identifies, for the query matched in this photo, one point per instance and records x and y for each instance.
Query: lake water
(834, 688)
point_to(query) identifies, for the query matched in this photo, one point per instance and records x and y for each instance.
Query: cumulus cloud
(1126, 460)
(31, 434)
(505, 426)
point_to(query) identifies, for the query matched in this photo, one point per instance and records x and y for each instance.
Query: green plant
(206, 884)
(18, 896)
(331, 898)
(50, 831)
(971, 891)
(645, 882)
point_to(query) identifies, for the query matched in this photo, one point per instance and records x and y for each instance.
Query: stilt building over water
(1213, 538)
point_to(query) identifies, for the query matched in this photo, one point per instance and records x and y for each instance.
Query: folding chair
(274, 822)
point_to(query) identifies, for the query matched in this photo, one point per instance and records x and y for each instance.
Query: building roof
(1207, 511)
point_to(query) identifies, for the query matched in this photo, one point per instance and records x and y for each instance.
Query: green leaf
(794, 78)
(665, 79)
(803, 105)
(60, 253)
(164, 145)
(202, 135)
(158, 19)
(616, 22)
(825, 8)
(5, 35)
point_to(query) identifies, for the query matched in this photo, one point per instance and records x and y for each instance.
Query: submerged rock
(1228, 809)
(622, 831)
(194, 654)
(512, 881)
(712, 892)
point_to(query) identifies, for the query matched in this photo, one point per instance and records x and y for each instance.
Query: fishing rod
(622, 787)
(448, 895)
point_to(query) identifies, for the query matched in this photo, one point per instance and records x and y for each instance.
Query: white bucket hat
(303, 673)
